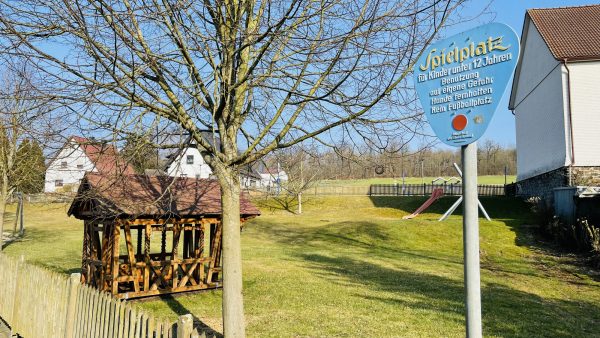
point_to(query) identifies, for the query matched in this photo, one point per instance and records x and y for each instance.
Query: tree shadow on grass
(516, 214)
(506, 312)
(47, 248)
(360, 235)
(373, 239)
(199, 325)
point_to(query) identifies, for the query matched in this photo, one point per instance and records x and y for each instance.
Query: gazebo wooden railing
(146, 255)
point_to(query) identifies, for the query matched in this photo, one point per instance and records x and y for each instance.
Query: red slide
(437, 193)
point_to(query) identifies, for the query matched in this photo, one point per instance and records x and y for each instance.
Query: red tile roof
(569, 32)
(158, 196)
(105, 157)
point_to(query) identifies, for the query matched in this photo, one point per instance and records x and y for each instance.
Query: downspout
(570, 123)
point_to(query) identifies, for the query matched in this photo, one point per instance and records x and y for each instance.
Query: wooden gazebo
(146, 236)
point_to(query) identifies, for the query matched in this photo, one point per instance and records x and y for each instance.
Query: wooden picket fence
(38, 303)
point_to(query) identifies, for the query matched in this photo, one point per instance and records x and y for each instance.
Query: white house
(556, 99)
(273, 177)
(78, 156)
(188, 162)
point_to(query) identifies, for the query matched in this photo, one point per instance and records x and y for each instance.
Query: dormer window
(80, 166)
(189, 159)
(63, 165)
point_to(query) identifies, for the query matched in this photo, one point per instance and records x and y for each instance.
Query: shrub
(580, 236)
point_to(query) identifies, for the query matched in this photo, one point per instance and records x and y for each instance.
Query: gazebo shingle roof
(159, 196)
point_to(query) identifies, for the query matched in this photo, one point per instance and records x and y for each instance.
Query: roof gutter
(570, 174)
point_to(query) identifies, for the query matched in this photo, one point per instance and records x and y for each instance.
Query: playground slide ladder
(435, 195)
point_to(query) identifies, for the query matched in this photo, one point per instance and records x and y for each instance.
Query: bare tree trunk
(2, 212)
(233, 301)
(3, 199)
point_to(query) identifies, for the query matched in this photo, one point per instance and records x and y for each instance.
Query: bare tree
(302, 171)
(265, 73)
(20, 108)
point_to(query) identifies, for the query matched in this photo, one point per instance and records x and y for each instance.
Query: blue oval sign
(460, 80)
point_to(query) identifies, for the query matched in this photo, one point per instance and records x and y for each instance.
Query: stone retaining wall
(543, 184)
(589, 176)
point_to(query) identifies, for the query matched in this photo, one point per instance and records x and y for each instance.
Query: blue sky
(512, 13)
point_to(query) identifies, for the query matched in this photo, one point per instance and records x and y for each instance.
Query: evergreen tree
(29, 170)
(140, 153)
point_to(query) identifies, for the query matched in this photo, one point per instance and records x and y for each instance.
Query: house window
(63, 165)
(58, 183)
(189, 159)
(80, 166)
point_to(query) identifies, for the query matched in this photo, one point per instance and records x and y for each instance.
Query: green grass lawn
(350, 266)
(495, 179)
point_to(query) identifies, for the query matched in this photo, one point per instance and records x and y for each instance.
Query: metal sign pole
(459, 110)
(471, 240)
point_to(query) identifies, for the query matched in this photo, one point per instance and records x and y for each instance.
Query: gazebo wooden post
(147, 259)
(106, 250)
(115, 258)
(217, 263)
(212, 237)
(163, 242)
(135, 275)
(96, 254)
(86, 253)
(186, 243)
(199, 251)
(215, 248)
(139, 244)
(174, 257)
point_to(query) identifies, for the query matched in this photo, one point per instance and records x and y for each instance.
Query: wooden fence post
(185, 325)
(21, 227)
(14, 323)
(74, 282)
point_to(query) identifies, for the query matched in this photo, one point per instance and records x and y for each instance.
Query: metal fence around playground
(452, 189)
(38, 303)
(427, 189)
